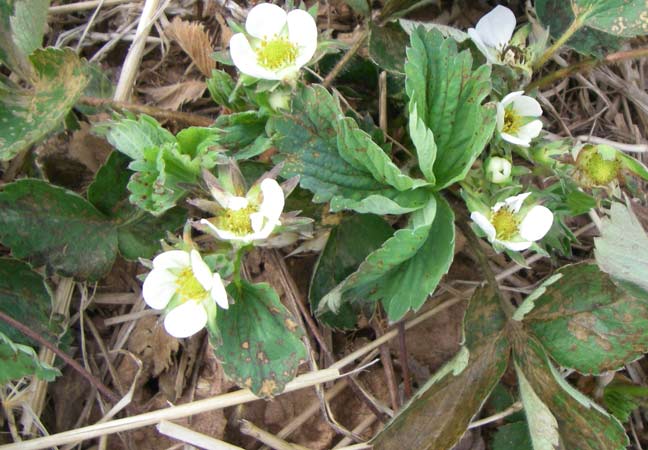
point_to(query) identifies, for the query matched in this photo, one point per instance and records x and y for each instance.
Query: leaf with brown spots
(439, 414)
(27, 116)
(589, 323)
(259, 343)
(581, 424)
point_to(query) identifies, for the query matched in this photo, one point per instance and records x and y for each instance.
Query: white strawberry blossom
(517, 118)
(493, 33)
(183, 284)
(276, 45)
(512, 227)
(498, 170)
(250, 218)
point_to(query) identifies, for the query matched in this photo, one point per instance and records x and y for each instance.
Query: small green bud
(498, 170)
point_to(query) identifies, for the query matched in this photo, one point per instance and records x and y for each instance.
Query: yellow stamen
(512, 121)
(237, 222)
(189, 288)
(276, 53)
(505, 223)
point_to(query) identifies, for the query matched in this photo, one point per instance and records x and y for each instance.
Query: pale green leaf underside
(18, 360)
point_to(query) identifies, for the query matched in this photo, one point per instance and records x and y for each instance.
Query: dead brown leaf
(175, 95)
(195, 41)
(153, 345)
(88, 149)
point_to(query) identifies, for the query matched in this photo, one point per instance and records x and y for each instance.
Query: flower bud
(498, 170)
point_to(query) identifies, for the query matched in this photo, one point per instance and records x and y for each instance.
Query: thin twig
(159, 113)
(515, 407)
(110, 395)
(249, 429)
(404, 359)
(83, 6)
(388, 366)
(586, 65)
(189, 436)
(346, 58)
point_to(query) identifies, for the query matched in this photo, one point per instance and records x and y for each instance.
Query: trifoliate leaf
(46, 224)
(448, 94)
(587, 322)
(440, 412)
(259, 343)
(27, 116)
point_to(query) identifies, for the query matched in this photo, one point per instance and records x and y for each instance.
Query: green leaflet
(28, 24)
(222, 89)
(243, 133)
(17, 360)
(440, 412)
(625, 18)
(387, 46)
(587, 322)
(558, 15)
(27, 116)
(416, 256)
(49, 225)
(347, 246)
(622, 249)
(337, 161)
(621, 398)
(259, 342)
(582, 424)
(447, 95)
(25, 297)
(512, 436)
(139, 233)
(163, 164)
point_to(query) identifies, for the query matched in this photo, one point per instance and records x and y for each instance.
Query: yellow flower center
(237, 222)
(276, 53)
(601, 171)
(512, 121)
(189, 288)
(505, 223)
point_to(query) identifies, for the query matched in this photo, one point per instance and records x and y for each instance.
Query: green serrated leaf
(17, 361)
(222, 89)
(621, 398)
(347, 246)
(131, 135)
(447, 31)
(416, 256)
(447, 94)
(582, 424)
(440, 412)
(558, 15)
(622, 249)
(387, 46)
(25, 297)
(312, 140)
(139, 233)
(625, 18)
(588, 323)
(49, 225)
(259, 342)
(27, 116)
(28, 24)
(243, 133)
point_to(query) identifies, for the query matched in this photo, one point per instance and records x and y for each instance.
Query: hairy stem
(110, 395)
(569, 32)
(346, 58)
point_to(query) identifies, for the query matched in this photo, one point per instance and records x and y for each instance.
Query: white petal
(500, 116)
(530, 130)
(496, 28)
(516, 246)
(510, 97)
(159, 286)
(489, 53)
(515, 203)
(273, 199)
(536, 223)
(527, 106)
(245, 59)
(185, 320)
(256, 220)
(173, 259)
(265, 20)
(515, 140)
(485, 224)
(201, 270)
(218, 292)
(302, 31)
(222, 234)
(235, 203)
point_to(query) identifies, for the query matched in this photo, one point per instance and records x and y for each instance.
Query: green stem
(569, 32)
(238, 262)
